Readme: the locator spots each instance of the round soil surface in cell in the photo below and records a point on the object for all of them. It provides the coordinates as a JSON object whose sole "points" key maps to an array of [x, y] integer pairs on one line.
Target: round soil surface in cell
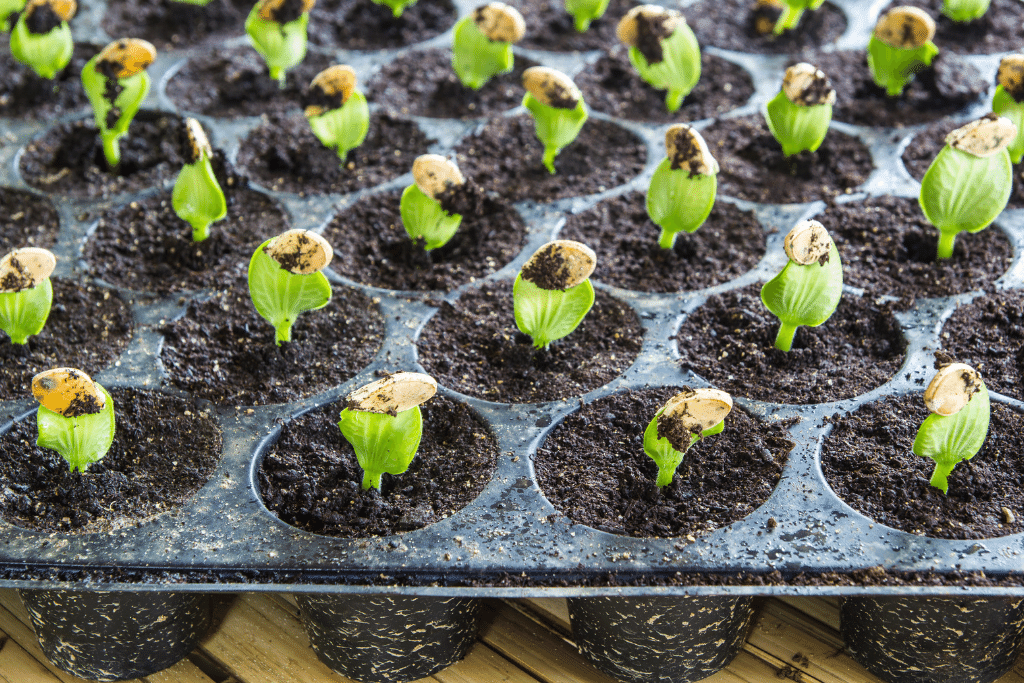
{"points": [[731, 24], [988, 334], [28, 220], [550, 27], [998, 30], [926, 145], [424, 84], [284, 155], [506, 158], [869, 462], [730, 342], [164, 450], [223, 351], [365, 25], [372, 247], [170, 24], [311, 479], [889, 248], [25, 94], [611, 85], [730, 243], [474, 346], [88, 328], [594, 470], [949, 85], [144, 246], [236, 82], [68, 159], [753, 166]]}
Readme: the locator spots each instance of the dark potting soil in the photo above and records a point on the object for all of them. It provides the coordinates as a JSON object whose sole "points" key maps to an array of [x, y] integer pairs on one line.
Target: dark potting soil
{"points": [[424, 84], [869, 462], [310, 478], [594, 470], [730, 342], [236, 82], [474, 346], [68, 159], [998, 30], [172, 24], [550, 27], [612, 85], [223, 351], [88, 328], [28, 220], [729, 24], [753, 166], [372, 247], [988, 334], [284, 155], [363, 25], [730, 243], [164, 450], [505, 158], [889, 248], [25, 94]]}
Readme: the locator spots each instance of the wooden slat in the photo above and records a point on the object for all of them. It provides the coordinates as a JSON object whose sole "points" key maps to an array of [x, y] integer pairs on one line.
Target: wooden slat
{"points": [[18, 666], [483, 665], [823, 610]]}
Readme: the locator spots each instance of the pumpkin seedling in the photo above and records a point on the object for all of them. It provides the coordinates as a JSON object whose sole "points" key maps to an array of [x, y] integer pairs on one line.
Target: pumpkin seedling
{"points": [[336, 110], [808, 289], [116, 82], [585, 11], [382, 421], [956, 429], [482, 43], [683, 188], [552, 293], [970, 181], [25, 292], [1008, 101], [278, 32], [557, 107], [397, 6], [75, 416], [663, 50], [965, 10], [197, 197], [41, 37], [900, 46], [285, 279], [792, 11], [798, 116], [684, 420], [426, 204]]}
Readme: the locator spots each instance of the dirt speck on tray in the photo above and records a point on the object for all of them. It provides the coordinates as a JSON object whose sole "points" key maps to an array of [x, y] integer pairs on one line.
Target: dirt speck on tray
{"points": [[729, 24], [550, 27], [998, 30], [310, 477], [366, 25], [594, 470], [172, 24], [28, 220], [26, 94], [988, 334], [164, 450]]}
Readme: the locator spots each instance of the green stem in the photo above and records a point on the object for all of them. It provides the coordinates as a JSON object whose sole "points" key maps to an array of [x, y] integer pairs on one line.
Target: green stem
{"points": [[283, 331], [667, 240], [784, 339], [788, 20], [371, 480], [674, 99], [946, 240], [111, 150], [549, 158], [939, 475], [279, 75], [665, 475], [200, 232], [582, 24]]}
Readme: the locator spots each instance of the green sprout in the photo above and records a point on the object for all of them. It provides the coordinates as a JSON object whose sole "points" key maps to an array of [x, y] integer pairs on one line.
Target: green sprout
{"points": [[965, 10], [900, 46], [75, 416], [427, 205], [285, 279], [663, 50], [116, 82], [688, 417], [956, 429], [397, 6], [278, 32], [482, 43], [970, 181], [25, 292], [792, 11], [337, 111], [552, 294], [683, 187], [808, 289], [382, 421], [585, 11], [199, 3], [557, 107], [799, 115], [8, 8], [1008, 100], [197, 198], [41, 38]]}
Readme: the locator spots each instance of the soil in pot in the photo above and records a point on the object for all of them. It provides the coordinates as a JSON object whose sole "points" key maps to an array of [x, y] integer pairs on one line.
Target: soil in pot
{"points": [[223, 351], [372, 247], [170, 24], [998, 30], [25, 94], [550, 27], [365, 25], [504, 157], [474, 346], [28, 220], [730, 243], [730, 342], [730, 24]]}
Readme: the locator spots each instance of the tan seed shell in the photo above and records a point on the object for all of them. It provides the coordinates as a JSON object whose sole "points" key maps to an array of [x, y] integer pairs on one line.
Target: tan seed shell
{"points": [[691, 411], [905, 27], [551, 87], [808, 242], [198, 143], [268, 8], [337, 82], [434, 174], [985, 137], [688, 150], [500, 22], [1011, 75], [68, 392], [64, 9], [25, 268], [393, 394], [807, 85], [628, 29], [765, 14], [130, 55], [300, 251], [952, 388], [561, 264]]}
